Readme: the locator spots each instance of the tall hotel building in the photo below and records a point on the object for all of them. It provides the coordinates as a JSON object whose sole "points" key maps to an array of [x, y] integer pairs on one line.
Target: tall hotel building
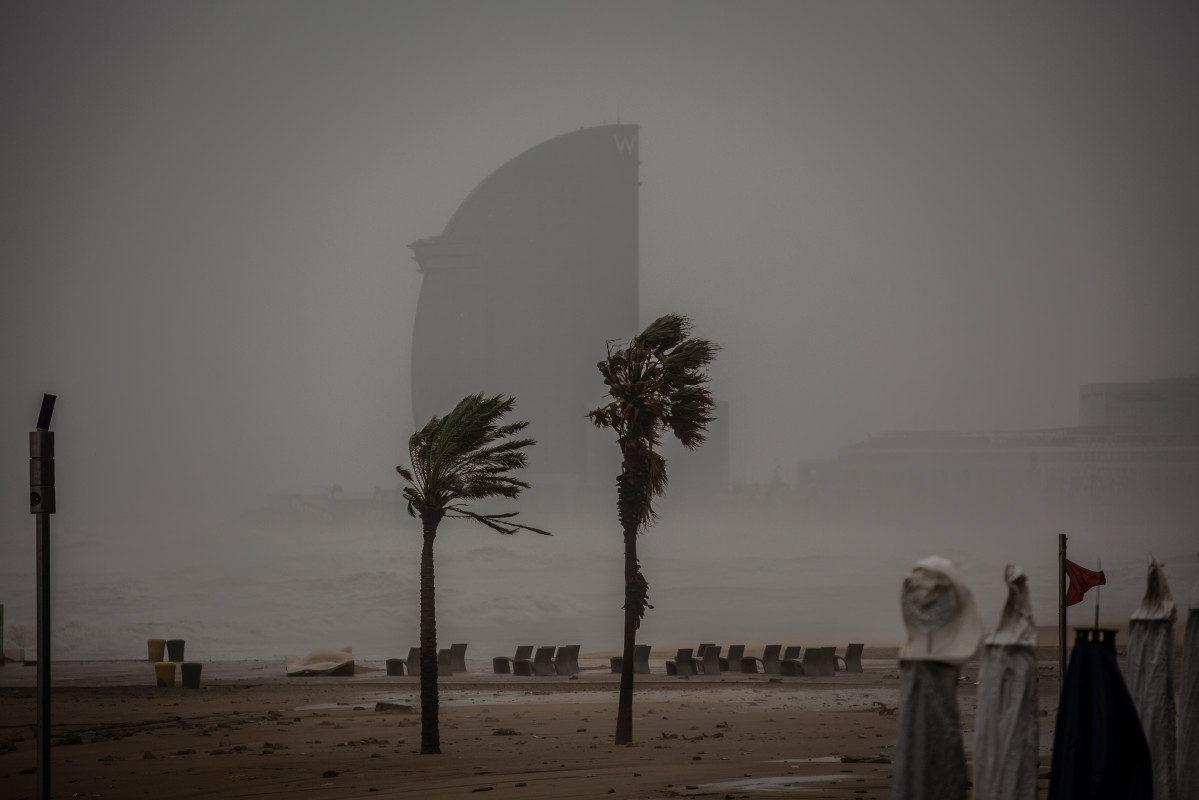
{"points": [[533, 273]]}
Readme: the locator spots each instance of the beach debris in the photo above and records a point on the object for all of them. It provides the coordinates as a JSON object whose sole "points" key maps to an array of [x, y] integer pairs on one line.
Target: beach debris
{"points": [[322, 662], [402, 708], [330, 773], [504, 732]]}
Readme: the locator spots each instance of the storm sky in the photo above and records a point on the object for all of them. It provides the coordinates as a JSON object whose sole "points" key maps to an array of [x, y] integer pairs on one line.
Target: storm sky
{"points": [[891, 216]]}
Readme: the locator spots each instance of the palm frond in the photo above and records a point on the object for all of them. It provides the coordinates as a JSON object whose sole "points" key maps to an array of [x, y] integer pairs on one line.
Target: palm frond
{"points": [[497, 522], [467, 455], [657, 382]]}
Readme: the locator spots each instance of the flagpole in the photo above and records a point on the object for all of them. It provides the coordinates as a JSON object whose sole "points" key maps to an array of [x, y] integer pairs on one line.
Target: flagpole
{"points": [[1061, 606]]}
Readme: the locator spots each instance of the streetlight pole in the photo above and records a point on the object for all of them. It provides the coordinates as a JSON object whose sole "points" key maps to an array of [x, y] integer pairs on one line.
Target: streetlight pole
{"points": [[41, 505]]}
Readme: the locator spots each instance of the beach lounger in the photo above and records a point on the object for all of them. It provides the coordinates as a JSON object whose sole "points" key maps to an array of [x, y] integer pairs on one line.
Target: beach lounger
{"points": [[640, 661], [790, 664], [818, 661], [458, 657], [682, 664], [543, 661], [736, 651], [852, 661], [566, 662], [444, 667], [769, 660], [541, 664], [413, 661], [502, 665], [710, 660]]}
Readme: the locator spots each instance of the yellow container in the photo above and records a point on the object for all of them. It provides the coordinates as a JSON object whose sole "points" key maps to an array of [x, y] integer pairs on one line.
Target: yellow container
{"points": [[157, 648], [164, 673]]}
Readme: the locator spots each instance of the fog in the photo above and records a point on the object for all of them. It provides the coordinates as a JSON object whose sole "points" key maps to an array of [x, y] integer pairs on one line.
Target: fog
{"points": [[926, 217]]}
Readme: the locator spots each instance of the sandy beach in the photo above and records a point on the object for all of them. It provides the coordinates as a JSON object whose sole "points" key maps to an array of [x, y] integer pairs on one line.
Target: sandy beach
{"points": [[250, 731]]}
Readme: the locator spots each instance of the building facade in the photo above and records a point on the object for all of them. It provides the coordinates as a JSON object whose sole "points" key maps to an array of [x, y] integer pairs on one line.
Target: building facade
{"points": [[534, 272], [1167, 405], [1134, 457]]}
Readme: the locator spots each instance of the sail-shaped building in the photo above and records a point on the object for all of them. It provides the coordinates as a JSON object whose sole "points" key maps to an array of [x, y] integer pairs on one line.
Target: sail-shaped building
{"points": [[533, 273]]}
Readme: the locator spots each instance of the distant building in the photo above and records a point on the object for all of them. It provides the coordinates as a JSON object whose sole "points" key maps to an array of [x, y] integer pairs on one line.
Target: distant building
{"points": [[533, 273], [1168, 405], [1136, 455]]}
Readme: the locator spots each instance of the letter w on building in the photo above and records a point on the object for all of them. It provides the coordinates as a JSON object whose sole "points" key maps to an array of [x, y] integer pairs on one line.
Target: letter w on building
{"points": [[625, 144]]}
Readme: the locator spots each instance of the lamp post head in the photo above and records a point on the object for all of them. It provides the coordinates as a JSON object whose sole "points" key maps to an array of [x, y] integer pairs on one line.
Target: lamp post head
{"points": [[43, 417]]}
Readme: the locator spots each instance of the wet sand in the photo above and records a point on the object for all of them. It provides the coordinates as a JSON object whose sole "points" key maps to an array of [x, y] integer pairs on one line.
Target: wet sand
{"points": [[250, 731]]}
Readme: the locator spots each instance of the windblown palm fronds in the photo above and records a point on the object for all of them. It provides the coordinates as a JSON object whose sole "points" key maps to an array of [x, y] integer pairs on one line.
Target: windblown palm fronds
{"points": [[657, 383], [467, 455]]}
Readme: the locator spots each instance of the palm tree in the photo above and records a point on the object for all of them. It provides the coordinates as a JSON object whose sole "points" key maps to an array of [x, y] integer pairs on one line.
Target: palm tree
{"points": [[465, 455], [657, 383]]}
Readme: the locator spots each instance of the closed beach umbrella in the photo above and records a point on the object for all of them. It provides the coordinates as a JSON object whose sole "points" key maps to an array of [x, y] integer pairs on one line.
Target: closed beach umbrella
{"points": [[1099, 750], [1005, 739], [943, 633], [1188, 727], [1151, 678]]}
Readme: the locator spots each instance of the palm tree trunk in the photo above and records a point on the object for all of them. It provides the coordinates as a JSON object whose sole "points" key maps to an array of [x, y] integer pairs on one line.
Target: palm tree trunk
{"points": [[624, 702], [632, 493], [430, 735]]}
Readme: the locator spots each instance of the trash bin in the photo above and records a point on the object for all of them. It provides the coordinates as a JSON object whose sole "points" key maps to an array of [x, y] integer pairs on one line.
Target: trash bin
{"points": [[164, 673], [157, 648], [395, 666], [175, 650], [190, 671]]}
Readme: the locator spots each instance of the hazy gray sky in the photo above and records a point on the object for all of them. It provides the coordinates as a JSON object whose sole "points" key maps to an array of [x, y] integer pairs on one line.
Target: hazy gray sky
{"points": [[891, 216]]}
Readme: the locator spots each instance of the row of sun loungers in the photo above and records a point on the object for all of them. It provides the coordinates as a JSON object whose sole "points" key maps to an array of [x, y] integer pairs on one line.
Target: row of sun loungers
{"points": [[705, 660], [548, 660], [449, 661]]}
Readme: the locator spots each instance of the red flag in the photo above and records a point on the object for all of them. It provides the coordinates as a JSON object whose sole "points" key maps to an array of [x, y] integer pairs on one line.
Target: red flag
{"points": [[1081, 579]]}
